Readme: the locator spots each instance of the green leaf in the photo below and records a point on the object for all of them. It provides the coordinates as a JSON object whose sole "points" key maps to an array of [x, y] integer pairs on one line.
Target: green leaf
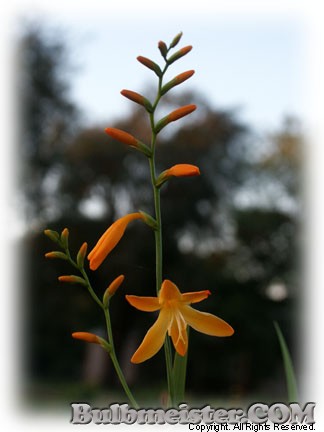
{"points": [[179, 375], [288, 365]]}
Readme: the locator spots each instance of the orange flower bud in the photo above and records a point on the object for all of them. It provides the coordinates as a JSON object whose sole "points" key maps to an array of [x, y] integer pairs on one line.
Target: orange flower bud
{"points": [[113, 287], [122, 136], [150, 64], [87, 337], [137, 98], [174, 115], [183, 51], [180, 170], [72, 279], [81, 254], [56, 254], [92, 338], [183, 170], [110, 239], [177, 80], [128, 139]]}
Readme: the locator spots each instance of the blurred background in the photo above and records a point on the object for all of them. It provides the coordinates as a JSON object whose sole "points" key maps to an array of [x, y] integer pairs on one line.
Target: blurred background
{"points": [[235, 230]]}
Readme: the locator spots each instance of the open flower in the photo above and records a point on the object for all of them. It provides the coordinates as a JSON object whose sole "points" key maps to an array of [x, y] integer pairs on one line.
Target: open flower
{"points": [[175, 314], [110, 239]]}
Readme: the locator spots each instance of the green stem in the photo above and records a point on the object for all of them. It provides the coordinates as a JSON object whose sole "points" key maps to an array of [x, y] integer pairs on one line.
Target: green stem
{"points": [[111, 352], [115, 361], [158, 238]]}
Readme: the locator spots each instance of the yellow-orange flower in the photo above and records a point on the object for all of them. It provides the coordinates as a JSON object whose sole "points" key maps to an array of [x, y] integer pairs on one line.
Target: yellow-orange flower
{"points": [[175, 314], [110, 239]]}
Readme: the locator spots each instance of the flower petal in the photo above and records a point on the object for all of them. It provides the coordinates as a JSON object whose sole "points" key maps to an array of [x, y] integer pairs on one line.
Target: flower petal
{"points": [[178, 333], [169, 291], [205, 322], [146, 304], [109, 239], [153, 339], [195, 297]]}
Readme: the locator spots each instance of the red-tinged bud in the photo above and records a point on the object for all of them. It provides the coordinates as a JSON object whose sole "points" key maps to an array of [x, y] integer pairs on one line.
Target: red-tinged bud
{"points": [[81, 254], [163, 48], [72, 279], [182, 52], [180, 170], [176, 40], [137, 98], [150, 64], [174, 115], [177, 80], [122, 136], [53, 235], [128, 139], [87, 337], [92, 338], [56, 254], [113, 287]]}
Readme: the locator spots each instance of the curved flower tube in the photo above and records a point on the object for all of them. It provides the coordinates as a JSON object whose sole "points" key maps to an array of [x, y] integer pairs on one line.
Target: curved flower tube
{"points": [[179, 170], [110, 239], [175, 314]]}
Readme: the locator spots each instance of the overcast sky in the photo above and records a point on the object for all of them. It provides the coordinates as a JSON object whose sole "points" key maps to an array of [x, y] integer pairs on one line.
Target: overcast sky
{"points": [[252, 61]]}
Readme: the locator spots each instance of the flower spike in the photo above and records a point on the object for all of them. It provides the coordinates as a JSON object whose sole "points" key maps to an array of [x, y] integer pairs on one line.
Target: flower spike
{"points": [[174, 316], [110, 239]]}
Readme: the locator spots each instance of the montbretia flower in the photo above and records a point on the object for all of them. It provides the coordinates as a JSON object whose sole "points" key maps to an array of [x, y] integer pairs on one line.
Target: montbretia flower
{"points": [[179, 170], [175, 314], [110, 239]]}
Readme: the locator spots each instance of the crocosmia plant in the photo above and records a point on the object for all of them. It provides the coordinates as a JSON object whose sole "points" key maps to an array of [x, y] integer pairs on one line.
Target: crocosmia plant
{"points": [[174, 309]]}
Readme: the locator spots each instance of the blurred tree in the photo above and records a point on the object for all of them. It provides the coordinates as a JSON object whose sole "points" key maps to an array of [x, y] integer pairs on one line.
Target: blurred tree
{"points": [[48, 117]]}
